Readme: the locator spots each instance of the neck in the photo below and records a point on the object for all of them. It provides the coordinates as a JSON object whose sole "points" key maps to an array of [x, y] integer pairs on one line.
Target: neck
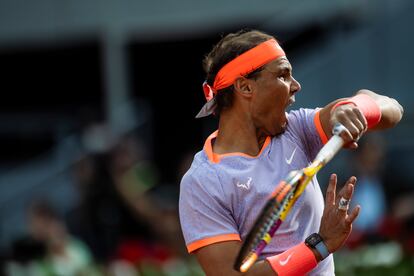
{"points": [[237, 133]]}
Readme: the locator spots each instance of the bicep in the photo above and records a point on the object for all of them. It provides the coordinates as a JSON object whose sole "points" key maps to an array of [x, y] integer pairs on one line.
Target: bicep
{"points": [[218, 259]]}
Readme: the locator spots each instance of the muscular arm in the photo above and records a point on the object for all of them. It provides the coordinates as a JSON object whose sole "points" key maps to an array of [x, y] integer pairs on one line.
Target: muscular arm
{"points": [[391, 113], [218, 259], [391, 110]]}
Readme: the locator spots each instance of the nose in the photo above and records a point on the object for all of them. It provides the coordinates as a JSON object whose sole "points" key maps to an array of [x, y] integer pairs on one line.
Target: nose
{"points": [[295, 86]]}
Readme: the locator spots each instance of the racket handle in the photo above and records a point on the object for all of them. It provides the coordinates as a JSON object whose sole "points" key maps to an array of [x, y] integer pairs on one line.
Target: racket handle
{"points": [[334, 144]]}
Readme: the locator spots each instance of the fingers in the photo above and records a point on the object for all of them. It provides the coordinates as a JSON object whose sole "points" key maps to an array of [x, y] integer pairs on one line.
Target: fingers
{"points": [[331, 191], [353, 215], [354, 129], [346, 134], [352, 145], [358, 121], [362, 120], [353, 120], [348, 189], [345, 195]]}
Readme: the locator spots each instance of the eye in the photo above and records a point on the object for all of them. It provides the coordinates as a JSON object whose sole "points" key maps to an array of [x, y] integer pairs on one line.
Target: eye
{"points": [[284, 76]]}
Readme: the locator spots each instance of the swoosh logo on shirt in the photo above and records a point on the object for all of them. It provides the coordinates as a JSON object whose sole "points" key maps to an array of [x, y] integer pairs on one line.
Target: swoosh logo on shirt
{"points": [[288, 161], [284, 262]]}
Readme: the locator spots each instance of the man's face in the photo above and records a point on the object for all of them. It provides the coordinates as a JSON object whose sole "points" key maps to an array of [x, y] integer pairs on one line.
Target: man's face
{"points": [[274, 92]]}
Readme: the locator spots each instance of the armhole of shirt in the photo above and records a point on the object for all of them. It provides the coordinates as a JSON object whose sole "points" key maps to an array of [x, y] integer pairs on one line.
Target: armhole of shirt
{"points": [[319, 128], [211, 240]]}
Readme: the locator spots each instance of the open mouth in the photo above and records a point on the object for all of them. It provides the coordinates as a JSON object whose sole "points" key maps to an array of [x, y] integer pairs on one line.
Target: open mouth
{"points": [[289, 103], [291, 100]]}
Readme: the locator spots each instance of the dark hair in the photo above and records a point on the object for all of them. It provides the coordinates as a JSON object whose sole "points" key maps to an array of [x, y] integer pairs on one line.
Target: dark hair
{"points": [[227, 49]]}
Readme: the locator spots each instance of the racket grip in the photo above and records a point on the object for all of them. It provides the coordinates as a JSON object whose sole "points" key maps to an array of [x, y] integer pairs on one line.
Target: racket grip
{"points": [[334, 144]]}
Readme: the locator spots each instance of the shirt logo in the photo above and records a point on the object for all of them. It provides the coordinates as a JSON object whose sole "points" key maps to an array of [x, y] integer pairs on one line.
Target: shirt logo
{"points": [[284, 262], [245, 186], [288, 161]]}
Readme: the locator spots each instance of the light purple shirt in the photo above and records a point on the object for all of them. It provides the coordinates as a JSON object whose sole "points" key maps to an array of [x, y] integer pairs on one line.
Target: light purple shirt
{"points": [[222, 195]]}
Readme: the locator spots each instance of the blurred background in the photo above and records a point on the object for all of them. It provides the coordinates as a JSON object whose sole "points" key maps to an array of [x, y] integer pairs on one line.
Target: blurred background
{"points": [[97, 125]]}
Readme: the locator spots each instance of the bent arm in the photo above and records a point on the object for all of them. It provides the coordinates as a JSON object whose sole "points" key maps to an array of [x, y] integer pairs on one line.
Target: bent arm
{"points": [[391, 112], [218, 259]]}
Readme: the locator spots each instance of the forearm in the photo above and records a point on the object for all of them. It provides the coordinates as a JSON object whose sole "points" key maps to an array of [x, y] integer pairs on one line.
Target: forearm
{"points": [[291, 268], [218, 259], [259, 268], [213, 268], [391, 110]]}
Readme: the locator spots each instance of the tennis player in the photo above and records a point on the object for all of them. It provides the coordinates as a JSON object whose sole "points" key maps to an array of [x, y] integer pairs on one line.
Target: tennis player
{"points": [[249, 85]]}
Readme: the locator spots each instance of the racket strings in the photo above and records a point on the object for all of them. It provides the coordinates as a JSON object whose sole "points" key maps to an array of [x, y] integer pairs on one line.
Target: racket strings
{"points": [[265, 233], [270, 221], [280, 202]]}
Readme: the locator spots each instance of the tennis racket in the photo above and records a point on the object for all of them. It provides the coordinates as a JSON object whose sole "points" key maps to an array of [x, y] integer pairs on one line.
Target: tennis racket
{"points": [[280, 202]]}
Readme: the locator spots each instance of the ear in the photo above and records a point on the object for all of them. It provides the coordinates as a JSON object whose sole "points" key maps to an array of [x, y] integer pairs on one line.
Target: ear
{"points": [[243, 86]]}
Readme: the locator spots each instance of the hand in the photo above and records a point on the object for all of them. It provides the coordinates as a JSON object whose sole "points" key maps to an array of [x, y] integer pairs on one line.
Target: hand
{"points": [[353, 120], [336, 224]]}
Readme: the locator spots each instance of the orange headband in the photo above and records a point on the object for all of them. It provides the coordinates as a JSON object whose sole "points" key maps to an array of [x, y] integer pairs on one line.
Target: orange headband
{"points": [[243, 65]]}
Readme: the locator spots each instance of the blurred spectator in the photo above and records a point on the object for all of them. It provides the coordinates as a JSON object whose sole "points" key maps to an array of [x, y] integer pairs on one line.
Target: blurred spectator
{"points": [[370, 193], [26, 257], [65, 254], [102, 218], [382, 241], [126, 216], [136, 180], [50, 249], [400, 225], [133, 176]]}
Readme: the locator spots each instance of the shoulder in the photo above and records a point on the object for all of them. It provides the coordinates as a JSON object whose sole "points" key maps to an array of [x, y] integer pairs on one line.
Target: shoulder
{"points": [[304, 128], [302, 121], [202, 175], [302, 114], [200, 168]]}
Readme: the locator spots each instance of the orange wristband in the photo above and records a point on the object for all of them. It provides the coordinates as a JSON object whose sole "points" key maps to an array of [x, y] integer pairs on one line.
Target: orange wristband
{"points": [[368, 107], [295, 261]]}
